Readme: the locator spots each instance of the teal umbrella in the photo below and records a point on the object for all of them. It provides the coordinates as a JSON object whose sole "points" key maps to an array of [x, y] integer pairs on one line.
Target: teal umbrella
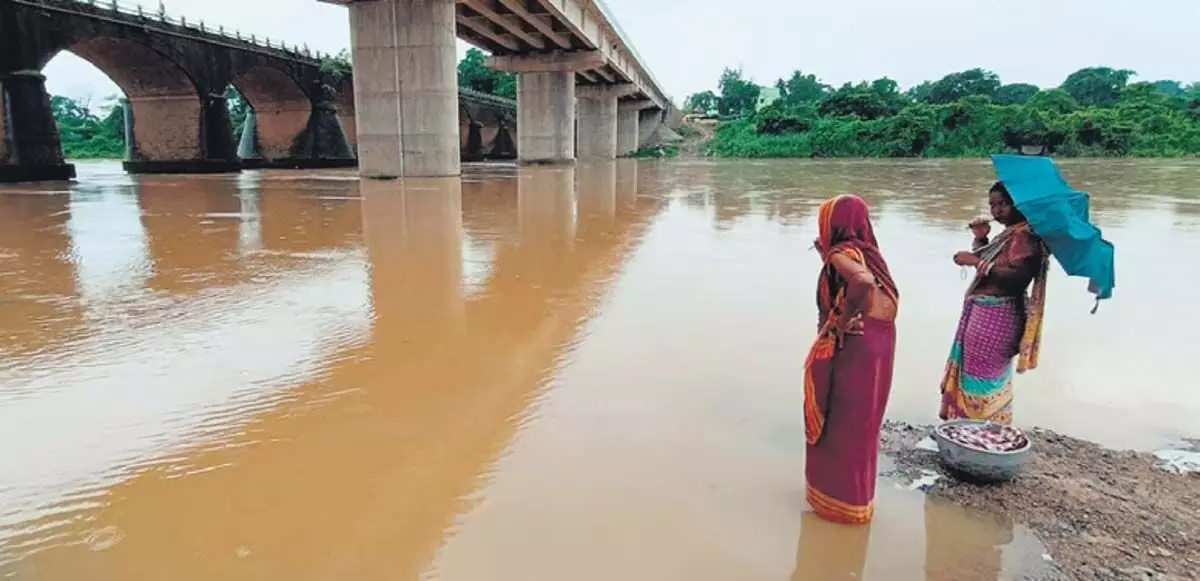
{"points": [[1059, 215]]}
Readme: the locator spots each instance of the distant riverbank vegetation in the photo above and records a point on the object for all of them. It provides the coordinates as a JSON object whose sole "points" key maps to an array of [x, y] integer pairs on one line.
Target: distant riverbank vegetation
{"points": [[99, 132], [86, 134], [1097, 111]]}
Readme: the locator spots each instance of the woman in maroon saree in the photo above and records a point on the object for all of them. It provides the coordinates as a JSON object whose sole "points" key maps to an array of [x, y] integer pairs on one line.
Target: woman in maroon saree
{"points": [[848, 373]]}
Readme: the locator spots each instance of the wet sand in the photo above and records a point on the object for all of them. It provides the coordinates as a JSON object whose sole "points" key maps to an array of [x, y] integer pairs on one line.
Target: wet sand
{"points": [[1102, 514]]}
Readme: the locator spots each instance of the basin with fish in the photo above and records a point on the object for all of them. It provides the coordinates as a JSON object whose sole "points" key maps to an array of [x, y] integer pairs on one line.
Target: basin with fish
{"points": [[963, 445]]}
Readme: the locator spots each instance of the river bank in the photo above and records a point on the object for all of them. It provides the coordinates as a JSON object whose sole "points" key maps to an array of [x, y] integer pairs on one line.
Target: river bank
{"points": [[1102, 514]]}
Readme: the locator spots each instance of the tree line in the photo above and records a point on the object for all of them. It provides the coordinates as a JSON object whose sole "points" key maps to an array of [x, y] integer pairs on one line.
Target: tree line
{"points": [[99, 133], [1096, 111]]}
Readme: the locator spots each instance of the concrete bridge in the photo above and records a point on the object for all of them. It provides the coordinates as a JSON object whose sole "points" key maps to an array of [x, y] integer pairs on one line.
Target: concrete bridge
{"points": [[174, 73], [574, 68]]}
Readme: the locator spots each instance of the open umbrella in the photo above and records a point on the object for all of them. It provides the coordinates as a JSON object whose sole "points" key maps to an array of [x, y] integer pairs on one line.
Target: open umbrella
{"points": [[1059, 214]]}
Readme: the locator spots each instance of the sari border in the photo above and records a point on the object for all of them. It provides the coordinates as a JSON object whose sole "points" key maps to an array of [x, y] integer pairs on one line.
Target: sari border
{"points": [[814, 416], [838, 511]]}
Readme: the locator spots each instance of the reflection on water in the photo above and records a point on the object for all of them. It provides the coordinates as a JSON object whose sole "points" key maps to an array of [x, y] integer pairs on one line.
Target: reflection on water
{"points": [[829, 551], [572, 373]]}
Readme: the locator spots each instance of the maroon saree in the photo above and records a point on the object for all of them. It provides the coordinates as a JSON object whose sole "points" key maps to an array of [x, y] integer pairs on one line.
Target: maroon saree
{"points": [[847, 377]]}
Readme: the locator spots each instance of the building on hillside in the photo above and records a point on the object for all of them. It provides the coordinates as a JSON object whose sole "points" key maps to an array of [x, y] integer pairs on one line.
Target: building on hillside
{"points": [[766, 96]]}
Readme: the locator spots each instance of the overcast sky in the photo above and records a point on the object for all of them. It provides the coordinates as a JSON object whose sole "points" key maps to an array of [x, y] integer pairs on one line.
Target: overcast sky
{"points": [[686, 43]]}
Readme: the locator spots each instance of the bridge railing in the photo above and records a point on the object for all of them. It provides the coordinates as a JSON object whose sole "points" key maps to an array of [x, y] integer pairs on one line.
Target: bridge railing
{"points": [[159, 14], [487, 97], [616, 24]]}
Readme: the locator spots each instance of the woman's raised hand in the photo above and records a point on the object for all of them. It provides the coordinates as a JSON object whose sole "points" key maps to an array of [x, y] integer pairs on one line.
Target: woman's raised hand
{"points": [[981, 227]]}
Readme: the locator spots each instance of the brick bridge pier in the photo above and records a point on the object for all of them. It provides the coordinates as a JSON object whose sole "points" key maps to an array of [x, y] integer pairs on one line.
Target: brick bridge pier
{"points": [[174, 74]]}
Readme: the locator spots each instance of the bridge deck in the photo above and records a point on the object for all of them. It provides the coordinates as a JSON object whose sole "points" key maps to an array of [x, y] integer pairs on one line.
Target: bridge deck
{"points": [[513, 27]]}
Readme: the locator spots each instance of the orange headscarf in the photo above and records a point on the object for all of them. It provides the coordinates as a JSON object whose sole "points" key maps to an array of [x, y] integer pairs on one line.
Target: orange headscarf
{"points": [[844, 226]]}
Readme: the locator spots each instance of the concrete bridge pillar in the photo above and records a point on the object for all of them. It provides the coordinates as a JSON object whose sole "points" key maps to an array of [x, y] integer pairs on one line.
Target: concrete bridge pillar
{"points": [[30, 148], [597, 108], [649, 120], [546, 117], [405, 87], [628, 117], [546, 102]]}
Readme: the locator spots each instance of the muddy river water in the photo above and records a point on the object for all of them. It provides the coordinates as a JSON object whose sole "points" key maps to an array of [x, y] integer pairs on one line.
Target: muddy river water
{"points": [[536, 374]]}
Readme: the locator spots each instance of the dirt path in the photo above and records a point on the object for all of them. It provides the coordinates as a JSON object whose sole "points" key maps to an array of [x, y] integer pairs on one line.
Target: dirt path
{"points": [[695, 138], [1103, 514]]}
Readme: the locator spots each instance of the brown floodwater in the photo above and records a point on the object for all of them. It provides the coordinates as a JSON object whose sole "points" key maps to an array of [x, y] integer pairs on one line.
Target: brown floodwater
{"points": [[534, 374]]}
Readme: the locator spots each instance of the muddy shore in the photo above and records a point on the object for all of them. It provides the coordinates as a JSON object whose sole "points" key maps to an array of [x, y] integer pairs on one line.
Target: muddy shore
{"points": [[1102, 514]]}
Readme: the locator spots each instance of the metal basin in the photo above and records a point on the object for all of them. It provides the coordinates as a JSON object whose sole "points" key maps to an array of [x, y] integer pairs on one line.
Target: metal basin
{"points": [[982, 465]]}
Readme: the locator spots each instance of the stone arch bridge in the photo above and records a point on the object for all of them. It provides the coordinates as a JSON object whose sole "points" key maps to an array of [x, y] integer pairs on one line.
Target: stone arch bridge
{"points": [[174, 74]]}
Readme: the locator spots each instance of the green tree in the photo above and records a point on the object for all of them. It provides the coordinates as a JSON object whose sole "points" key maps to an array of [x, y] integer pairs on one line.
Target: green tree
{"points": [[1015, 94], [908, 133], [702, 102], [85, 135], [474, 74], [1100, 86], [112, 119], [920, 93], [1054, 100], [337, 65], [1172, 88], [802, 88], [238, 109], [872, 119], [878, 99], [1150, 95], [739, 96], [1033, 127], [889, 92], [778, 118], [955, 86]]}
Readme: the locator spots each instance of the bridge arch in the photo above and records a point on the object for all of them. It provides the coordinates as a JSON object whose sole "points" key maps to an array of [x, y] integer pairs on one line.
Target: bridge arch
{"points": [[281, 107], [164, 98]]}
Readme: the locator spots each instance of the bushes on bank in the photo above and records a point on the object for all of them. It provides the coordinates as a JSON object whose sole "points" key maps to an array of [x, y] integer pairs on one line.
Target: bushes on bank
{"points": [[1096, 113]]}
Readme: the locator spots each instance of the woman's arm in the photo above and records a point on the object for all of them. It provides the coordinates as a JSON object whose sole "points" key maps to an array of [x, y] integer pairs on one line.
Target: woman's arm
{"points": [[860, 284], [967, 258], [980, 227]]}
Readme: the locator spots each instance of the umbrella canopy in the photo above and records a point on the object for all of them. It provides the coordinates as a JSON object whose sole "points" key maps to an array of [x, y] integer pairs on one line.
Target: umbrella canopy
{"points": [[1059, 215]]}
